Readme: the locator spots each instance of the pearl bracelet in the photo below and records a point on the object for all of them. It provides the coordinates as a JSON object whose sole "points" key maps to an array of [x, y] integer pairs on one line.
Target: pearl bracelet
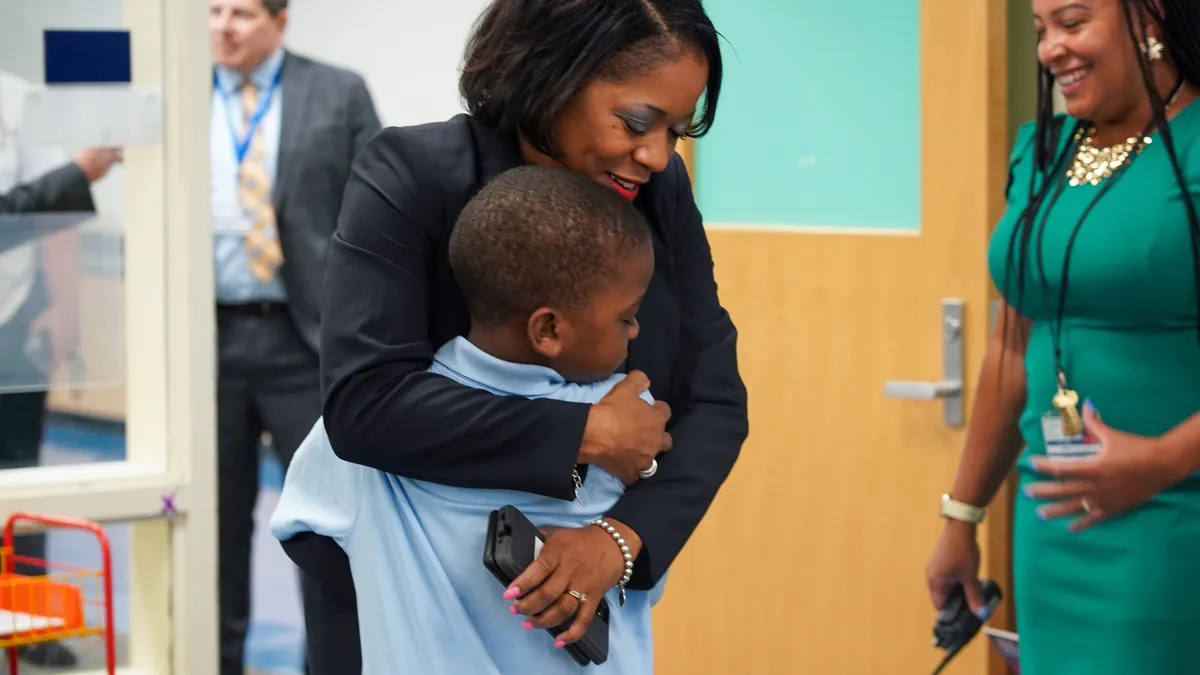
{"points": [[612, 532]]}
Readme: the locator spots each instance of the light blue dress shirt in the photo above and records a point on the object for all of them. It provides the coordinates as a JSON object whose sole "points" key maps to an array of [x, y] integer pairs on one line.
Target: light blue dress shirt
{"points": [[235, 282], [426, 603]]}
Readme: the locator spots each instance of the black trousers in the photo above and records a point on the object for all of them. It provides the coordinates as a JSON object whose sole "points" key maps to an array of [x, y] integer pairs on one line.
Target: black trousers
{"points": [[22, 422], [330, 605], [268, 381]]}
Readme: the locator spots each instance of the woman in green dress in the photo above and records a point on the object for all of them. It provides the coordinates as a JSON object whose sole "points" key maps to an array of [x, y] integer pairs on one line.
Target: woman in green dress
{"points": [[1098, 260]]}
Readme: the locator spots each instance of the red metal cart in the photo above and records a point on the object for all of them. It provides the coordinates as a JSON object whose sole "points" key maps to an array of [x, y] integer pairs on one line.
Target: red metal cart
{"points": [[54, 602]]}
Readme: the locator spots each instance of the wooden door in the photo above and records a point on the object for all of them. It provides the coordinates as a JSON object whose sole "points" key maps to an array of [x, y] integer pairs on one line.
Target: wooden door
{"points": [[812, 558]]}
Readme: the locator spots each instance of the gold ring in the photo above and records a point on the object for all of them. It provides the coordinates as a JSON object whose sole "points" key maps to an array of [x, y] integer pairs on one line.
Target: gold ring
{"points": [[1087, 507], [581, 597]]}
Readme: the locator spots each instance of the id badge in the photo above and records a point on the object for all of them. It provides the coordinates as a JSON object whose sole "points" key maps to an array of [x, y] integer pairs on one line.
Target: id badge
{"points": [[1059, 444], [230, 218]]}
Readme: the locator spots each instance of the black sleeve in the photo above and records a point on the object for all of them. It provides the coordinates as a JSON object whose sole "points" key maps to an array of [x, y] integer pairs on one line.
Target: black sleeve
{"points": [[382, 409], [64, 189], [709, 422]]}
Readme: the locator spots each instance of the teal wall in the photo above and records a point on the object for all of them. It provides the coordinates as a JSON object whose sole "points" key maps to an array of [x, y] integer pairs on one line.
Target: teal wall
{"points": [[819, 117]]}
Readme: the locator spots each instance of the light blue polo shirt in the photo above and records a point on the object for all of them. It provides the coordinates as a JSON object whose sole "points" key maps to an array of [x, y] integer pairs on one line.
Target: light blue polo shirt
{"points": [[426, 603]]}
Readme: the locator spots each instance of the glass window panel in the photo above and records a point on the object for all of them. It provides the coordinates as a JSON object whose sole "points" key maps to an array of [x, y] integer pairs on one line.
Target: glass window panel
{"points": [[63, 336]]}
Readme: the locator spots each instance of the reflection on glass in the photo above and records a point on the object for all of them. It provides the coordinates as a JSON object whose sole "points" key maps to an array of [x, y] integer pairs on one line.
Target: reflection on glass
{"points": [[62, 205], [61, 302]]}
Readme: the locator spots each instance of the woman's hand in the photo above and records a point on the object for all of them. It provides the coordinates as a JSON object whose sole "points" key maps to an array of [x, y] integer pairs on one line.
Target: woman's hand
{"points": [[1127, 471], [586, 560], [955, 562], [623, 434]]}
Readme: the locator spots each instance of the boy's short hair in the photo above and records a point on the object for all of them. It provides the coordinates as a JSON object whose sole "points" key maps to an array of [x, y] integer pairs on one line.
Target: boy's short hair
{"points": [[540, 236]]}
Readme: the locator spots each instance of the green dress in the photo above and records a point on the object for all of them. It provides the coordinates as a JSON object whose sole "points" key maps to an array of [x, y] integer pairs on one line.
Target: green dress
{"points": [[1123, 597]]}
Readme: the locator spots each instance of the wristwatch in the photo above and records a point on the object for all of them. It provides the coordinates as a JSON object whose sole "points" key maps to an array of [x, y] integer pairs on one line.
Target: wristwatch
{"points": [[956, 510]]}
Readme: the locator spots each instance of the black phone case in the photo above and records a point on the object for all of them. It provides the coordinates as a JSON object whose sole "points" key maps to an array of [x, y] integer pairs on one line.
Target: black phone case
{"points": [[508, 550]]}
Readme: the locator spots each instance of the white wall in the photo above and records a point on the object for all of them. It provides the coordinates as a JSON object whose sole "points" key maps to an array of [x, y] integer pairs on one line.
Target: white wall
{"points": [[409, 51], [22, 23]]}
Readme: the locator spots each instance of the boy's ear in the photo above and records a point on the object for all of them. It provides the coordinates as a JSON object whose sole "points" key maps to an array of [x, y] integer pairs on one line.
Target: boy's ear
{"points": [[545, 332]]}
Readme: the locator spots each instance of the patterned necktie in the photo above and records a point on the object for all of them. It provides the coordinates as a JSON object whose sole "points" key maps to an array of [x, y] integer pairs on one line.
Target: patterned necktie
{"points": [[254, 192]]}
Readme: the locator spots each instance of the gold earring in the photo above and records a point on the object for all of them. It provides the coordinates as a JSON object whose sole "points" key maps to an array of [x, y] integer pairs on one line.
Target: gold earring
{"points": [[1152, 48]]}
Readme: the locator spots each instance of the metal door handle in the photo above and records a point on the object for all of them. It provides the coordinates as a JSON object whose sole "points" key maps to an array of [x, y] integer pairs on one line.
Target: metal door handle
{"points": [[950, 388], [922, 391]]}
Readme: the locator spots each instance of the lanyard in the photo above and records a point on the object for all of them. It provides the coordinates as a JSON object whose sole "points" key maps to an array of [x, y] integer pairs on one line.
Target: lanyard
{"points": [[242, 145], [1060, 310]]}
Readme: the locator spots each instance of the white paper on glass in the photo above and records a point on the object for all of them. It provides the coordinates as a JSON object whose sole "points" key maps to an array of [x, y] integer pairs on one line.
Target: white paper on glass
{"points": [[92, 116]]}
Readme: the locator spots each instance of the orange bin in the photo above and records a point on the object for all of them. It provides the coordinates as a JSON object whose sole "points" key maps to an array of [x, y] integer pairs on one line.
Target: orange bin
{"points": [[49, 601], [60, 602]]}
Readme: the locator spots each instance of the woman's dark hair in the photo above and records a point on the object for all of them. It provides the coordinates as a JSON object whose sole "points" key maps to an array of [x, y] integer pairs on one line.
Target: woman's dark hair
{"points": [[526, 59], [1179, 21]]}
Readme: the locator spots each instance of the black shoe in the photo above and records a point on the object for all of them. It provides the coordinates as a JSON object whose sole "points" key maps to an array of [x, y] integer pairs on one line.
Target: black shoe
{"points": [[48, 655]]}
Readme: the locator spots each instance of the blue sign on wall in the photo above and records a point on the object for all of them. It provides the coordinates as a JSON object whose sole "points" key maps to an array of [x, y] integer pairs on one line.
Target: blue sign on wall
{"points": [[87, 57], [819, 117]]}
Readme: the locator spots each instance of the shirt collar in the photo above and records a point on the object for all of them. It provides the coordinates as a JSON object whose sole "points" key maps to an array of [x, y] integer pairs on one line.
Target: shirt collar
{"points": [[263, 76], [490, 373]]}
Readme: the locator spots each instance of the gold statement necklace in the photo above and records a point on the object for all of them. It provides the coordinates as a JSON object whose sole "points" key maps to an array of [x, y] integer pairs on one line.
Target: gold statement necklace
{"points": [[1093, 164]]}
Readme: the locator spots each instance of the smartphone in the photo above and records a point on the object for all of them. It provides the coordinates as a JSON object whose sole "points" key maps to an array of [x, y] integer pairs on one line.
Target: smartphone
{"points": [[512, 544]]}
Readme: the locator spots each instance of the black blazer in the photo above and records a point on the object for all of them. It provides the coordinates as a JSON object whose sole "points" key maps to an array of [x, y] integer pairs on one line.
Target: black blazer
{"points": [[390, 301]]}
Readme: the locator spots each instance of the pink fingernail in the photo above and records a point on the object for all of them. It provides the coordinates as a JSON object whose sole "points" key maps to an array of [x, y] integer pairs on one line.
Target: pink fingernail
{"points": [[511, 593], [560, 644], [512, 609], [528, 625]]}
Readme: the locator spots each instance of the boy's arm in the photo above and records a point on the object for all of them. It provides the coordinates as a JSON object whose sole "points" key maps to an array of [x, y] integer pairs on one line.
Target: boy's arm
{"points": [[321, 493]]}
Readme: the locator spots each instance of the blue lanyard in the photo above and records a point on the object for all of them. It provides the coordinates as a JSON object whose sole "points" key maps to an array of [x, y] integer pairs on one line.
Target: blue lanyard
{"points": [[242, 145]]}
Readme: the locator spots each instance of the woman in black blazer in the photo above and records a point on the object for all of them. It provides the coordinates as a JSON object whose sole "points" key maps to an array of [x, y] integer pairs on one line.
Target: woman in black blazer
{"points": [[604, 88]]}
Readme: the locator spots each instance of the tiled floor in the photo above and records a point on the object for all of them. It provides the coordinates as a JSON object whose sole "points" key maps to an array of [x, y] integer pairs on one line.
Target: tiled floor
{"points": [[276, 632]]}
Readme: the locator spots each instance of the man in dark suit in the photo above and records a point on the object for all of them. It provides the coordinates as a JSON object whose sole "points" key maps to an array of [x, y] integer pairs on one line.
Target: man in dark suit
{"points": [[284, 132]]}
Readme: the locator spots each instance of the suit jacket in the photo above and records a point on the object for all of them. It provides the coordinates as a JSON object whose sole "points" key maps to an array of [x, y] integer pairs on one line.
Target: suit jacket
{"points": [[327, 117], [63, 189], [391, 300]]}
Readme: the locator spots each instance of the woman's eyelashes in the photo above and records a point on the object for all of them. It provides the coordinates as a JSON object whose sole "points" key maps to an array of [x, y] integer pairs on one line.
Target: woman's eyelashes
{"points": [[640, 128], [636, 125]]}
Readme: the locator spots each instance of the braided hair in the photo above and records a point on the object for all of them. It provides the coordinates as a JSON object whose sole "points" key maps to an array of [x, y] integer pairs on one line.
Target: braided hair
{"points": [[1179, 21]]}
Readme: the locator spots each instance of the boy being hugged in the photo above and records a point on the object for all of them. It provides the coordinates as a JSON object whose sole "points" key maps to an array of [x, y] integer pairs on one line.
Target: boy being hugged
{"points": [[553, 268]]}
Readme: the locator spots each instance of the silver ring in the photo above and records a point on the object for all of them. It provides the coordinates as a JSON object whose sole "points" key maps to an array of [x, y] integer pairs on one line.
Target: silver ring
{"points": [[581, 597], [1087, 506], [648, 473]]}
